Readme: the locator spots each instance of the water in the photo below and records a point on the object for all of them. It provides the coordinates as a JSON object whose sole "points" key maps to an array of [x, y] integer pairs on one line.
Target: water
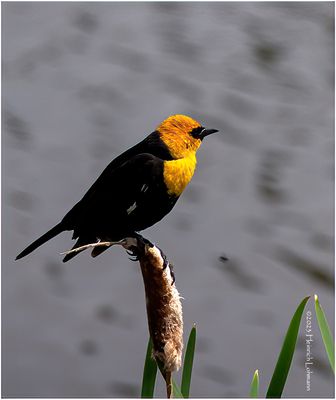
{"points": [[83, 82]]}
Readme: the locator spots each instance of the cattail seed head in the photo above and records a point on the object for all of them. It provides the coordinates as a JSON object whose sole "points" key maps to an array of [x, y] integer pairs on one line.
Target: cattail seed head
{"points": [[164, 309]]}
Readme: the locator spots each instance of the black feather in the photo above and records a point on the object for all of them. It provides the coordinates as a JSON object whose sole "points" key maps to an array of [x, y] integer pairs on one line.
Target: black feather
{"points": [[41, 240]]}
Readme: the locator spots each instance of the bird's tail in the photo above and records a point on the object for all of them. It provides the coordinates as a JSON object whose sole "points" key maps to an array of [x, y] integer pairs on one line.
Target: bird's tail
{"points": [[44, 238]]}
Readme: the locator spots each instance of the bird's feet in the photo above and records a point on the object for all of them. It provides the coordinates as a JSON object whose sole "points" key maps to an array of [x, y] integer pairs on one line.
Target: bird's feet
{"points": [[166, 264], [133, 254], [142, 241], [135, 251]]}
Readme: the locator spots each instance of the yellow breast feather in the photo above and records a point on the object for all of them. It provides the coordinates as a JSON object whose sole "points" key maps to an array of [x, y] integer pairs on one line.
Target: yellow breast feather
{"points": [[178, 173]]}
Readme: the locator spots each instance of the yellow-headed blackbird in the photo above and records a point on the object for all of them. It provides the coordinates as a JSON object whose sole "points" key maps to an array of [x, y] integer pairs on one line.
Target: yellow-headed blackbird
{"points": [[137, 189]]}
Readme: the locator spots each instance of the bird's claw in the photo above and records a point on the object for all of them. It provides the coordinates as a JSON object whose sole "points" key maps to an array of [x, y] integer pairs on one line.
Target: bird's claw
{"points": [[133, 254], [143, 241], [172, 273], [165, 261], [165, 264]]}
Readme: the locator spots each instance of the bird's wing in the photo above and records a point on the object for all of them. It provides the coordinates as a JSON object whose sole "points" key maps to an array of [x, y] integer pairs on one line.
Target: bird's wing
{"points": [[127, 182], [150, 145], [117, 191]]}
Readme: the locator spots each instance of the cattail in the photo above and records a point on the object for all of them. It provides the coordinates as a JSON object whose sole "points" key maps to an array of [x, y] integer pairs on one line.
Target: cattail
{"points": [[164, 312], [164, 309], [163, 303]]}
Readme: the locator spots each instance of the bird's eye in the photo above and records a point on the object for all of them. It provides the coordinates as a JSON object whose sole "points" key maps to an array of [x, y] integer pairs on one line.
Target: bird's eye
{"points": [[197, 132]]}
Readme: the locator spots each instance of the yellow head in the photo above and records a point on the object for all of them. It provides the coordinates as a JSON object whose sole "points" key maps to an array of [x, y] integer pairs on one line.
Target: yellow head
{"points": [[182, 135]]}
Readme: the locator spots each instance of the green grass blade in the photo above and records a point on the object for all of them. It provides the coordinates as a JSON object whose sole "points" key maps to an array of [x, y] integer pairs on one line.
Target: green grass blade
{"points": [[149, 374], [177, 394], [254, 389], [188, 363], [286, 354], [325, 332]]}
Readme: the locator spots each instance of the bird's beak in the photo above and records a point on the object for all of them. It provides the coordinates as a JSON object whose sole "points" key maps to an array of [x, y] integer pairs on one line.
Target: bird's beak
{"points": [[207, 132]]}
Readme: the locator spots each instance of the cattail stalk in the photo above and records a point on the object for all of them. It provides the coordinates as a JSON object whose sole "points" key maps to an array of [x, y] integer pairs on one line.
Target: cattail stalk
{"points": [[163, 304]]}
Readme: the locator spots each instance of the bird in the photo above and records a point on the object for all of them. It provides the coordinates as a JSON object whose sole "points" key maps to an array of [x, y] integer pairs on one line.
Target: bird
{"points": [[136, 190]]}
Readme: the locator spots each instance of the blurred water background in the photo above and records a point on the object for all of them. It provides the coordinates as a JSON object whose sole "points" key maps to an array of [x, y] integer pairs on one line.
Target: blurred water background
{"points": [[83, 82]]}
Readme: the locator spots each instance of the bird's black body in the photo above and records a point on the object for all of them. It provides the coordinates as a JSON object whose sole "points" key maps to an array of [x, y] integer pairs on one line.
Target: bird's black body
{"points": [[129, 196]]}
